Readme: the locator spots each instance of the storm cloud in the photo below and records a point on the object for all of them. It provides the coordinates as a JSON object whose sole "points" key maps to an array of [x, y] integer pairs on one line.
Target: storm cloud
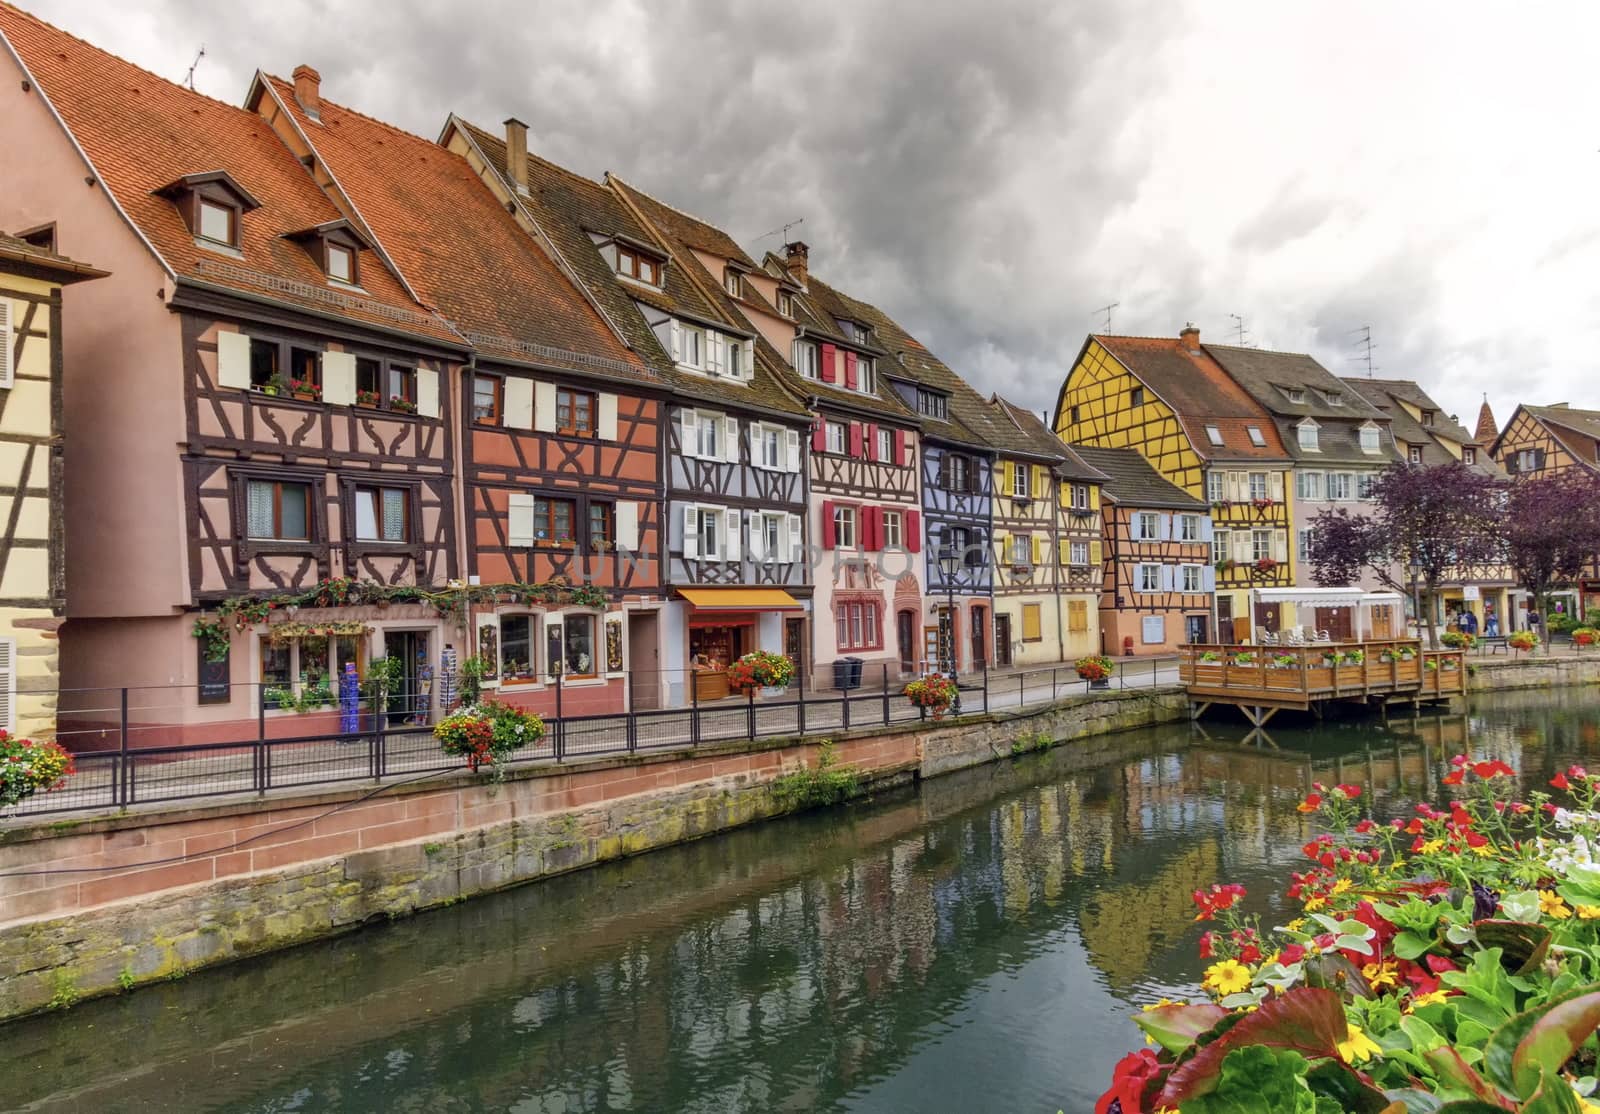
{"points": [[991, 173]]}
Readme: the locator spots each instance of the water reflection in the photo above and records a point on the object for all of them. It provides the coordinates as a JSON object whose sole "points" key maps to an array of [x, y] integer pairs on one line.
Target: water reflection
{"points": [[974, 945]]}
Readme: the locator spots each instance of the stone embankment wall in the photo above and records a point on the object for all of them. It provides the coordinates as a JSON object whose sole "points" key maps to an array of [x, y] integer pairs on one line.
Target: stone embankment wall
{"points": [[89, 907], [1496, 673]]}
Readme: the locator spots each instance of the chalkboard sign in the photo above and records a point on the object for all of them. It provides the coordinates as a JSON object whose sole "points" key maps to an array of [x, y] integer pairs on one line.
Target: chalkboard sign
{"points": [[214, 686]]}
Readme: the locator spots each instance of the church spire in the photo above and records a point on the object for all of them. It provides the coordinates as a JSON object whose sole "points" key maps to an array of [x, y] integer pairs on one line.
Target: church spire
{"points": [[1487, 430]]}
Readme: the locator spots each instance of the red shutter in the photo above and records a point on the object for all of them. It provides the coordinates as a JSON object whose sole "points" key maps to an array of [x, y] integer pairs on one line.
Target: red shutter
{"points": [[819, 437], [914, 531], [872, 441], [855, 439], [850, 370], [875, 535], [900, 456], [827, 524], [829, 375]]}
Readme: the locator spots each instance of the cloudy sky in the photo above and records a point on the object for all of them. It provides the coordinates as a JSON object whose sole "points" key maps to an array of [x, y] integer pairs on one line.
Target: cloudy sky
{"points": [[990, 173]]}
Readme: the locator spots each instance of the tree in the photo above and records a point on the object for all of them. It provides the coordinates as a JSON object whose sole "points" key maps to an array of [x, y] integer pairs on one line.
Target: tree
{"points": [[1427, 522], [1552, 530]]}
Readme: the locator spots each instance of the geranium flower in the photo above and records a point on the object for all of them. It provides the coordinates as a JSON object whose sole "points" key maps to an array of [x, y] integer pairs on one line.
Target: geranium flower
{"points": [[1227, 977], [1310, 804], [1494, 768], [1350, 791], [1129, 1080], [1455, 777]]}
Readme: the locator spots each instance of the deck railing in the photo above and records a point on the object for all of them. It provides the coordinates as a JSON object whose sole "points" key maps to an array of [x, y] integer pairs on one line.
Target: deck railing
{"points": [[1335, 670]]}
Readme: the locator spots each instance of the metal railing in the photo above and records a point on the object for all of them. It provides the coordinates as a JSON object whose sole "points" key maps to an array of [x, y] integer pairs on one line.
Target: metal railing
{"points": [[401, 744]]}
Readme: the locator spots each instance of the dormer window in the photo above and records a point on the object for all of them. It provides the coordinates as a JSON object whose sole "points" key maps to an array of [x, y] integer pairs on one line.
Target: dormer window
{"points": [[1469, 455], [1369, 438], [211, 204], [636, 265], [1308, 437], [1214, 435], [342, 263], [933, 404], [1427, 417], [1257, 438], [1294, 394], [336, 248], [1334, 398], [785, 303], [730, 282]]}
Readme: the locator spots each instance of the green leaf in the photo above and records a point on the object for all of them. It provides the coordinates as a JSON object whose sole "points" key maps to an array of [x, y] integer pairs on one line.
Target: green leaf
{"points": [[1522, 945], [1336, 1080], [1552, 1095], [1500, 1054], [1413, 1101], [1485, 981], [1308, 1020], [1457, 1074], [1423, 1037], [1257, 1080], [1554, 1036], [1175, 1027], [1409, 945], [1354, 943], [1469, 1106], [1521, 906], [1414, 916]]}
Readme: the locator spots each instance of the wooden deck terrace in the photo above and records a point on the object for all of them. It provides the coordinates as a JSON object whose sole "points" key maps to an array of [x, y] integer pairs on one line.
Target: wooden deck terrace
{"points": [[1262, 680]]}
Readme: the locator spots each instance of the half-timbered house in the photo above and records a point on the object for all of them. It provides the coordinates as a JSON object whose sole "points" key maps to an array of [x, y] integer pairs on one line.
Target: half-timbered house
{"points": [[1171, 401], [731, 449], [1047, 589], [558, 422], [32, 461], [262, 404], [1157, 572]]}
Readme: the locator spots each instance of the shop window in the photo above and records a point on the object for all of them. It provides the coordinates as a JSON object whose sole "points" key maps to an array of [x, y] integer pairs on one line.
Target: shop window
{"points": [[517, 645], [580, 648], [308, 669]]}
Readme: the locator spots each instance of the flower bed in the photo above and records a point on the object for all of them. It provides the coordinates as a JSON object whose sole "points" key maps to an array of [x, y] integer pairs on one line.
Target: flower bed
{"points": [[1524, 640], [1446, 961], [27, 767]]}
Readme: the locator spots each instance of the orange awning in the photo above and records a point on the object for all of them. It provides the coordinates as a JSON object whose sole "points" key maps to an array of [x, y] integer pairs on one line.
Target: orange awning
{"points": [[740, 599]]}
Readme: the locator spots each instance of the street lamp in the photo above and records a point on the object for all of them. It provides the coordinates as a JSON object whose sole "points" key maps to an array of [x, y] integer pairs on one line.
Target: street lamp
{"points": [[949, 565], [1416, 593]]}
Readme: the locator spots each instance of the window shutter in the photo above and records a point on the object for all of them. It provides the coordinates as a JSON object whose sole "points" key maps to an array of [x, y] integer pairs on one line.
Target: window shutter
{"points": [[519, 521], [1280, 546], [518, 396], [233, 355], [627, 526], [796, 541], [758, 539], [791, 439], [850, 379], [1164, 531], [1002, 547], [544, 407], [913, 531], [1094, 497], [1041, 482], [675, 339], [730, 440], [1275, 485], [872, 441], [688, 432], [691, 531], [1238, 487], [427, 392], [339, 378], [8, 677], [819, 437], [901, 457], [829, 375], [827, 525], [1005, 479], [855, 439], [730, 548], [1168, 577], [1207, 531], [1242, 546], [1208, 578], [1096, 554], [607, 425], [1038, 549]]}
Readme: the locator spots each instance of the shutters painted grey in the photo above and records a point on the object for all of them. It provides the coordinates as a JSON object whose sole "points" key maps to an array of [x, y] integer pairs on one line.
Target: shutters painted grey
{"points": [[730, 440], [691, 531]]}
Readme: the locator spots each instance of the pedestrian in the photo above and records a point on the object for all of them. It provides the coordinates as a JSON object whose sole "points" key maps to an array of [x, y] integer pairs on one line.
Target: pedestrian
{"points": [[1491, 622], [1533, 620], [1469, 623]]}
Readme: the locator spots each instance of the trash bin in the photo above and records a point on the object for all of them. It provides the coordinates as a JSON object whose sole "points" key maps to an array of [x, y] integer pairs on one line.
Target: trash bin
{"points": [[847, 673]]}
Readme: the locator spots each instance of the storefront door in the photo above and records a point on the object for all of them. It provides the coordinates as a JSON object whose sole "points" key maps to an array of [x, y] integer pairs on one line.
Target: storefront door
{"points": [[414, 700], [905, 623], [794, 642], [1002, 640], [1267, 618], [1382, 620], [979, 623], [1336, 621]]}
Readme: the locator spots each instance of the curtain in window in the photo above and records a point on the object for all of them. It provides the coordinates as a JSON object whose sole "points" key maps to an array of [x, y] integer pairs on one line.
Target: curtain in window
{"points": [[394, 514], [259, 512], [366, 515]]}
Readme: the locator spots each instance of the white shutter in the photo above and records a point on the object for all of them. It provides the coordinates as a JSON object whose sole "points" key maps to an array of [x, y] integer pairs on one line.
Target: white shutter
{"points": [[608, 417], [689, 432], [748, 364], [1280, 546], [339, 378], [519, 402], [1242, 546], [730, 543], [675, 336], [544, 407], [1208, 578], [730, 440], [233, 355], [691, 531], [796, 541], [427, 392], [758, 536], [628, 526], [1275, 486], [792, 436], [8, 684], [519, 515]]}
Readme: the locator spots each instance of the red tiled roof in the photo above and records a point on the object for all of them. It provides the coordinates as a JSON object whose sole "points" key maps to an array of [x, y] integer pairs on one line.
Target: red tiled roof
{"points": [[459, 249], [141, 132], [1201, 393]]}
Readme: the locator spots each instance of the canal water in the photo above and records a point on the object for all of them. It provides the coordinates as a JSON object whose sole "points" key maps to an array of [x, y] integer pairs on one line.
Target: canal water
{"points": [[972, 945]]}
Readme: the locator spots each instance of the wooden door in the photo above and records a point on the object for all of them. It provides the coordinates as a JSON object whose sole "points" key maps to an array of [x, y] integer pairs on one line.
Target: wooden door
{"points": [[1382, 621], [1002, 641], [644, 660], [905, 629], [1336, 621], [1267, 618], [979, 651], [794, 642]]}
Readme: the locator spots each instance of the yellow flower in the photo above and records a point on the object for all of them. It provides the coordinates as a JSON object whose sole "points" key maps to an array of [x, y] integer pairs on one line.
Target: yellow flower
{"points": [[1340, 886], [1159, 1002], [1431, 998], [1551, 905], [1588, 912], [1433, 847], [1296, 925], [1315, 902], [1227, 977], [1483, 850], [1358, 1046], [1379, 975], [1397, 865]]}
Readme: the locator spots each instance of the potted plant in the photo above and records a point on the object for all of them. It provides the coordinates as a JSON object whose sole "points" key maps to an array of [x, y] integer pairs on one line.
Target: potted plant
{"points": [[1584, 636], [1283, 661], [1210, 657], [1352, 657], [484, 734], [1458, 640], [1265, 567], [306, 389], [27, 767], [274, 385], [1096, 669], [385, 678], [369, 399], [401, 404], [1524, 640], [771, 673], [1244, 657], [935, 694]]}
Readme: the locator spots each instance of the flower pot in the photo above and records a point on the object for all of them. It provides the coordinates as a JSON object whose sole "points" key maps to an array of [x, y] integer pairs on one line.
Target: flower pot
{"points": [[307, 396], [772, 692], [1100, 683]]}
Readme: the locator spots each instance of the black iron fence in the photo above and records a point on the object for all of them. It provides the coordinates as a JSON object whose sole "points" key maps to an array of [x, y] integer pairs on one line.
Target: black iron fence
{"points": [[118, 768]]}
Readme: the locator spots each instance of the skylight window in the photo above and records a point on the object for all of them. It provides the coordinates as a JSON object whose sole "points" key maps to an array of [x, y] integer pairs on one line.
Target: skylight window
{"points": [[1214, 435], [1256, 437]]}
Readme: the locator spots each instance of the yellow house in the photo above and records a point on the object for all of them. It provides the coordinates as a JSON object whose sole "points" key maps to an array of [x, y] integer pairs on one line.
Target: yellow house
{"points": [[32, 578], [1170, 400]]}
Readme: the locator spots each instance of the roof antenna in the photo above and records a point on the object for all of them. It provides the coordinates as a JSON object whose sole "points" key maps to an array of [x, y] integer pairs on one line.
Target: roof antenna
{"points": [[1366, 346], [189, 77], [1107, 311], [1244, 333], [784, 231]]}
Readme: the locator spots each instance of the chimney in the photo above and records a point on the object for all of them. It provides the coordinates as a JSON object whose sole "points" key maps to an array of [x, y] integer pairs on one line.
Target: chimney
{"points": [[796, 256], [517, 153], [308, 90], [1190, 337]]}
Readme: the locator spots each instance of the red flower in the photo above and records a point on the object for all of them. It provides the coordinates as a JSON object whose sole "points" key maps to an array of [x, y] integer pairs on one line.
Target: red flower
{"points": [[1310, 804], [1291, 953], [1495, 768], [1452, 778], [1351, 791], [1560, 782], [1205, 945], [1577, 771], [1364, 827], [1132, 1077], [1414, 828]]}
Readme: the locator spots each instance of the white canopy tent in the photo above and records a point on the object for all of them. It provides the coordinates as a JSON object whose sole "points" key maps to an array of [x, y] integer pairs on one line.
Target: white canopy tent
{"points": [[1362, 605]]}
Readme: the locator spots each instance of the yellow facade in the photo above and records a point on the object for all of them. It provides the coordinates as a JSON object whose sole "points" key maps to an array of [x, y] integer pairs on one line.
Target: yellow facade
{"points": [[30, 587], [1049, 601], [1098, 407]]}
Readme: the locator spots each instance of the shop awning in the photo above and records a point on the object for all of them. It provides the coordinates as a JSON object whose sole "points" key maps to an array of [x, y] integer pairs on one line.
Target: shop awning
{"points": [[740, 599], [1313, 597]]}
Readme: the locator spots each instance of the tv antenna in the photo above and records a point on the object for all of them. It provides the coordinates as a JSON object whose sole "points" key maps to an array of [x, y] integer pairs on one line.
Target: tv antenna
{"points": [[784, 231], [1107, 311], [1364, 343], [188, 78], [1241, 330]]}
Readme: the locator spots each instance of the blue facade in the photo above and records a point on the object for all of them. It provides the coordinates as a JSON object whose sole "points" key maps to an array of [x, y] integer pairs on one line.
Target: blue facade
{"points": [[958, 502]]}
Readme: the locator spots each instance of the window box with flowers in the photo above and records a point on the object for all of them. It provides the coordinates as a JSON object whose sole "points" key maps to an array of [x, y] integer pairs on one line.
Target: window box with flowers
{"points": [[402, 405], [934, 694], [1096, 669], [306, 390], [1266, 566], [371, 400]]}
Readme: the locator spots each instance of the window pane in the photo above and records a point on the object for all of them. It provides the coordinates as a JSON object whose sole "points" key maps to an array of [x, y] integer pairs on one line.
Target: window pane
{"points": [[293, 500], [485, 390], [216, 222], [341, 264], [274, 662], [580, 644], [313, 658], [402, 383], [516, 647], [347, 650], [599, 523], [263, 362], [368, 375], [394, 514], [259, 512], [562, 514], [366, 514]]}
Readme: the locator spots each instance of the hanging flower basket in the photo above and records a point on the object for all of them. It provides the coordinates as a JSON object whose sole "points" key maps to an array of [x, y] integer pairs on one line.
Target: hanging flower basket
{"points": [[761, 669], [1096, 669], [484, 734], [27, 767], [934, 693], [1524, 640]]}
